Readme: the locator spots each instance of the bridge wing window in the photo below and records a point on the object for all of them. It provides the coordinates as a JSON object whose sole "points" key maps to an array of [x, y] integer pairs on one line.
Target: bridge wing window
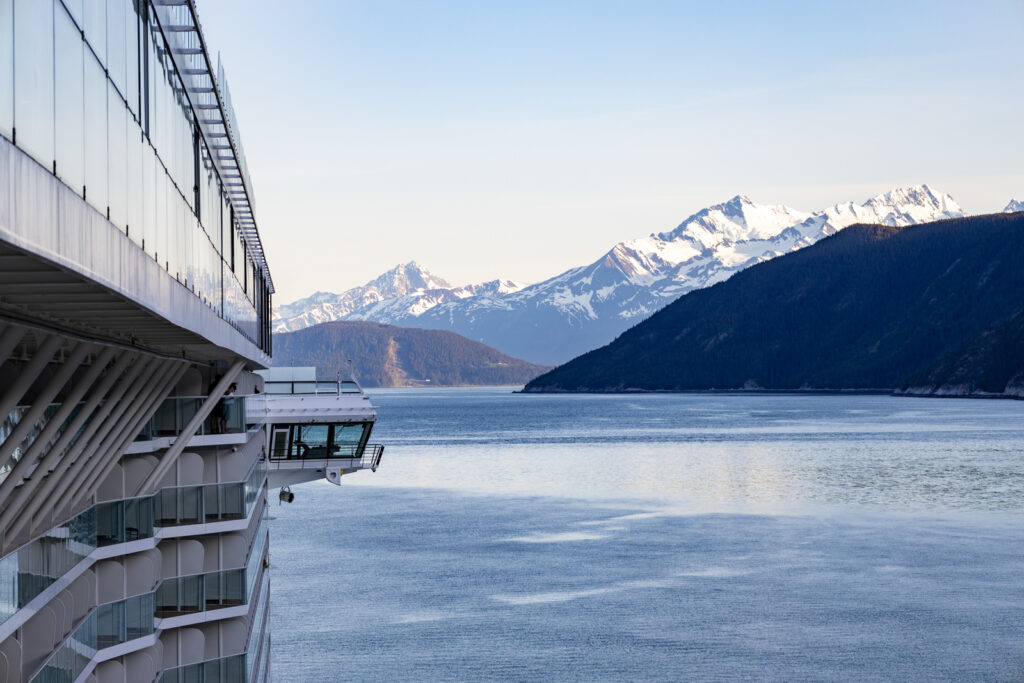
{"points": [[309, 441], [347, 439], [279, 447]]}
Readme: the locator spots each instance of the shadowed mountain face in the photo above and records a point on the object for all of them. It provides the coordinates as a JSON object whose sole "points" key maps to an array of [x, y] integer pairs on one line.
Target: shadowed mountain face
{"points": [[588, 306], [988, 363], [388, 356], [873, 307]]}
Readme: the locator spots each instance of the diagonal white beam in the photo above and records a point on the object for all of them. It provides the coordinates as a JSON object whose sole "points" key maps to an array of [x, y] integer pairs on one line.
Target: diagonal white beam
{"points": [[61, 472], [134, 401], [161, 385], [171, 454], [15, 497], [29, 374], [39, 405]]}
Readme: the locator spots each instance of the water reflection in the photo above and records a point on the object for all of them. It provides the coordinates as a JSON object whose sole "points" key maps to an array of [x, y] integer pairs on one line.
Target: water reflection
{"points": [[708, 452]]}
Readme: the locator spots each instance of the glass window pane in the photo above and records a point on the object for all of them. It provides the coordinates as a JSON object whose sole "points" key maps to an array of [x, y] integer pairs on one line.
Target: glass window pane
{"points": [[279, 447], [95, 135], [132, 66], [135, 150], [75, 8], [116, 43], [346, 439], [117, 163], [310, 441], [70, 106], [94, 23], [150, 166], [6, 67], [33, 78]]}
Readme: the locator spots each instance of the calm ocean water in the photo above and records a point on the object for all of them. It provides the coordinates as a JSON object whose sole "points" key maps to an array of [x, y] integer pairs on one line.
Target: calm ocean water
{"points": [[661, 537]]}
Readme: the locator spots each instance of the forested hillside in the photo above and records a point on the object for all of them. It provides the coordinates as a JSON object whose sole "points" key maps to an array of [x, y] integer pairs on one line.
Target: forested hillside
{"points": [[387, 356], [871, 308]]}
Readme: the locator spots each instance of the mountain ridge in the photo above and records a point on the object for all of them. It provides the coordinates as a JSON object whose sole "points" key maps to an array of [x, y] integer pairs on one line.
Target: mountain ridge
{"points": [[587, 306], [871, 308]]}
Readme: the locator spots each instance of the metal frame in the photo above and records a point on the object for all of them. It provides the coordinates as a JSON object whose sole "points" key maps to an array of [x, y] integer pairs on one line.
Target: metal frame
{"points": [[211, 104]]}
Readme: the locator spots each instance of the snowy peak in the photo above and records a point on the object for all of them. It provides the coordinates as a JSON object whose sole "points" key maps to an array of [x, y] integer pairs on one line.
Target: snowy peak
{"points": [[493, 288], [736, 220], [1014, 206], [741, 220], [910, 205], [406, 278], [407, 290]]}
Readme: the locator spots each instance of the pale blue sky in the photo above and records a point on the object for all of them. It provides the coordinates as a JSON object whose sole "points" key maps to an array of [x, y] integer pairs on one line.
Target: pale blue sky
{"points": [[517, 139]]}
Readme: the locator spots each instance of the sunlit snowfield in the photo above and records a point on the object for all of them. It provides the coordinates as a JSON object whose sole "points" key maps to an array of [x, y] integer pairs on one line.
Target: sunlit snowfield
{"points": [[661, 537]]}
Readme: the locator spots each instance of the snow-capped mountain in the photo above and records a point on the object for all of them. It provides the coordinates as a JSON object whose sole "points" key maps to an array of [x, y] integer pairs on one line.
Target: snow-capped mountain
{"points": [[405, 290], [586, 307], [1014, 206]]}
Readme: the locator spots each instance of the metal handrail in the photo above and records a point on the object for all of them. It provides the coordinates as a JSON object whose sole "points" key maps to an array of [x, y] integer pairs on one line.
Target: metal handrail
{"points": [[369, 458]]}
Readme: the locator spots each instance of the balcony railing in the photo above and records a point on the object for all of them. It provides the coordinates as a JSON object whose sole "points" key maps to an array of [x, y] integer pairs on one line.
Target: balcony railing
{"points": [[106, 626], [28, 571], [126, 620], [169, 420], [225, 670], [368, 458]]}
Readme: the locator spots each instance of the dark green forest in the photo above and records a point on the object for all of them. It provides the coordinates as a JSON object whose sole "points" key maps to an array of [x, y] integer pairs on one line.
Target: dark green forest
{"points": [[387, 356], [934, 308]]}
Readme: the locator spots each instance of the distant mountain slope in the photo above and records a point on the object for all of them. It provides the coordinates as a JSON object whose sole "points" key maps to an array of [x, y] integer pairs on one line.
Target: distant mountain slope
{"points": [[872, 307], [1014, 206], [384, 356], [990, 363], [588, 306]]}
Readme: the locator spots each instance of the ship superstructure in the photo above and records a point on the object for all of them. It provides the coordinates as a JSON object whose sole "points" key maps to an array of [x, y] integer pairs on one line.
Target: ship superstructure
{"points": [[134, 310], [317, 429]]}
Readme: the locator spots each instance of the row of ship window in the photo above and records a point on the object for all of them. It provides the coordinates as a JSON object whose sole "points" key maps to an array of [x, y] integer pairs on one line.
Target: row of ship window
{"points": [[91, 93]]}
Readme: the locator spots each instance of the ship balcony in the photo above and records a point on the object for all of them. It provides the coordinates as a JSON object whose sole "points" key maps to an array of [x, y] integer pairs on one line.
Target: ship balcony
{"points": [[231, 421]]}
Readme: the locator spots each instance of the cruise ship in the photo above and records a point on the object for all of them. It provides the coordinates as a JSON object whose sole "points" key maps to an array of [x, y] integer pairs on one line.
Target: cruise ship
{"points": [[137, 441]]}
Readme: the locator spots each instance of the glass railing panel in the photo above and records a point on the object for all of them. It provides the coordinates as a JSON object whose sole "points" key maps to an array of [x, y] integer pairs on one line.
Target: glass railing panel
{"points": [[138, 518], [254, 485], [202, 592], [350, 387], [119, 622], [225, 670], [256, 556], [170, 419], [258, 633], [27, 572], [108, 625], [328, 387], [179, 506], [225, 589], [175, 597]]}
